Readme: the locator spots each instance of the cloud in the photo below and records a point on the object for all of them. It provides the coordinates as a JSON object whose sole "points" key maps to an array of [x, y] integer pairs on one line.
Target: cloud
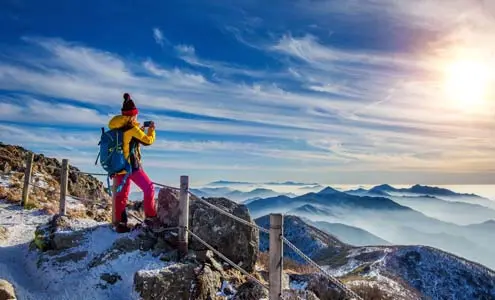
{"points": [[158, 36], [356, 110], [29, 110]]}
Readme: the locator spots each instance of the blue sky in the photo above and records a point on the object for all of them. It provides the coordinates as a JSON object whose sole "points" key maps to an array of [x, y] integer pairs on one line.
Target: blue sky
{"points": [[298, 90]]}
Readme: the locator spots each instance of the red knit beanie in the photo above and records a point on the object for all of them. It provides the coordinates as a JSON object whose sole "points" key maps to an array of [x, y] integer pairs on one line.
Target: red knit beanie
{"points": [[128, 107]]}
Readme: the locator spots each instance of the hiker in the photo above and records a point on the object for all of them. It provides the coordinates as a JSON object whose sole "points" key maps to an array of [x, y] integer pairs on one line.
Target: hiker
{"points": [[133, 137]]}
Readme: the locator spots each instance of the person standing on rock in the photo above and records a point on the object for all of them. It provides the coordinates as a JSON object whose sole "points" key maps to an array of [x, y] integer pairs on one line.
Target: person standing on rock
{"points": [[133, 137]]}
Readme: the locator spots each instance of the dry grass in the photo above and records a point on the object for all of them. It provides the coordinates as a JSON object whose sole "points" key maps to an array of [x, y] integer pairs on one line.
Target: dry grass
{"points": [[11, 195], [77, 213], [290, 265]]}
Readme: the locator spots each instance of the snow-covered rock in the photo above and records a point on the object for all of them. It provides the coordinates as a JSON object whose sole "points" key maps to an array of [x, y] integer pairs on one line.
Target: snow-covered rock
{"points": [[7, 291]]}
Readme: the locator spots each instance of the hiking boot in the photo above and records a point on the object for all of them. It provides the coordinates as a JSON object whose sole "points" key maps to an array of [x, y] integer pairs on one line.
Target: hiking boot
{"points": [[154, 224], [122, 228]]}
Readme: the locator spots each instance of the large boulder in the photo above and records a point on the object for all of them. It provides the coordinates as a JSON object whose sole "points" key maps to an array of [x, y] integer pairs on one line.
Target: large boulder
{"points": [[237, 241], [168, 207], [58, 234], [170, 283], [7, 291]]}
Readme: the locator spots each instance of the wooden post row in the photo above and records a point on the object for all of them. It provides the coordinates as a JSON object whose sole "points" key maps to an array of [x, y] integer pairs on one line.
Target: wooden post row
{"points": [[276, 254], [64, 178], [183, 216], [27, 179]]}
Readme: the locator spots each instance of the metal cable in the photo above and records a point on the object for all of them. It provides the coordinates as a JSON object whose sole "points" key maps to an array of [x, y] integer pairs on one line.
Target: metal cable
{"points": [[228, 260], [88, 173], [234, 217], [330, 277], [80, 199], [166, 186]]}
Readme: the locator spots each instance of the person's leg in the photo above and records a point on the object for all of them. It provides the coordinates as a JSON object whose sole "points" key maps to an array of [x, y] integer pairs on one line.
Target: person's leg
{"points": [[141, 179], [121, 200]]}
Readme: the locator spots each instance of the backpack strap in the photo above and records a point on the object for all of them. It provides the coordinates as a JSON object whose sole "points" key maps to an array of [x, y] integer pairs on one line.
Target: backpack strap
{"points": [[128, 173]]}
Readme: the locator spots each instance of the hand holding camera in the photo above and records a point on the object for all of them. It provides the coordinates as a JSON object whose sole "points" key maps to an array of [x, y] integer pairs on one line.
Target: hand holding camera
{"points": [[149, 124]]}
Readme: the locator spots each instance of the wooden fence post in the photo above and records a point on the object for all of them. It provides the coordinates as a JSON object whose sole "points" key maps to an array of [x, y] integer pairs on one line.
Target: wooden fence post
{"points": [[64, 179], [27, 179], [276, 253], [183, 216]]}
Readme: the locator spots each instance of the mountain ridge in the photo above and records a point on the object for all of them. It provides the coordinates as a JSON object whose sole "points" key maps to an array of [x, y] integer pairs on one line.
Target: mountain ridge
{"points": [[399, 270]]}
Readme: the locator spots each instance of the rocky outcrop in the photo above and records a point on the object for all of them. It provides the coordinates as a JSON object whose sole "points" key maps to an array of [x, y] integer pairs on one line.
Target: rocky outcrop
{"points": [[7, 291], [251, 290], [168, 207], [46, 173], [57, 235], [170, 283], [208, 284], [235, 240]]}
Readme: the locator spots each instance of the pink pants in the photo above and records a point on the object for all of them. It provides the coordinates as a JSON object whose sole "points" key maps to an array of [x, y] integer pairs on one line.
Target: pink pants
{"points": [[141, 179]]}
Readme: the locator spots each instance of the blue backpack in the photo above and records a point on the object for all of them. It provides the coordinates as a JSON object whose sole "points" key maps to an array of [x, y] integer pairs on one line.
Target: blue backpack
{"points": [[111, 155]]}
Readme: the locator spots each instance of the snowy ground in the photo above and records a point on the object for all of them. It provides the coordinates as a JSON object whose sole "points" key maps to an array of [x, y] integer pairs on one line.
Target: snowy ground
{"points": [[21, 225], [70, 280]]}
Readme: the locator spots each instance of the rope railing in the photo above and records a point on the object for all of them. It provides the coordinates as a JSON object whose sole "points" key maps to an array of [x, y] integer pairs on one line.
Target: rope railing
{"points": [[261, 229], [166, 186], [89, 173], [334, 280], [276, 261], [228, 260]]}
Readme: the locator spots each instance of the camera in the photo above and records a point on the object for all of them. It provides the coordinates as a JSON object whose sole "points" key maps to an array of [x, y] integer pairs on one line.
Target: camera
{"points": [[147, 123]]}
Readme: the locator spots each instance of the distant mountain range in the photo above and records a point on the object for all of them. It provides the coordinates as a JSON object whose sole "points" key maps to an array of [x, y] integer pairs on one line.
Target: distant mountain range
{"points": [[288, 183], [236, 195], [406, 272], [384, 218], [349, 234], [421, 190]]}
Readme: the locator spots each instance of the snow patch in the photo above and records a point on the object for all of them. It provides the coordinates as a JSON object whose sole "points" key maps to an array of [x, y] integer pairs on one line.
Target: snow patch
{"points": [[298, 285], [4, 180], [74, 203]]}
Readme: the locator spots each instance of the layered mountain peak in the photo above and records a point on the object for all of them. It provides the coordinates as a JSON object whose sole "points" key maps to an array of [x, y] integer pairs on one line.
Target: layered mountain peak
{"points": [[328, 190]]}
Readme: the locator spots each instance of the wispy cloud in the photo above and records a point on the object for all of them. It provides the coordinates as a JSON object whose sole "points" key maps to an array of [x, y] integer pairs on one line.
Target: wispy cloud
{"points": [[28, 110], [319, 107], [158, 36]]}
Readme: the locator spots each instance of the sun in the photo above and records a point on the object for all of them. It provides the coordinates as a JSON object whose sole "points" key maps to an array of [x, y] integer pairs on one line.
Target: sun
{"points": [[467, 83]]}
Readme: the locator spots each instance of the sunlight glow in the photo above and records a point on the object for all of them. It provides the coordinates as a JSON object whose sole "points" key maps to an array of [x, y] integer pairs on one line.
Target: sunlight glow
{"points": [[467, 83]]}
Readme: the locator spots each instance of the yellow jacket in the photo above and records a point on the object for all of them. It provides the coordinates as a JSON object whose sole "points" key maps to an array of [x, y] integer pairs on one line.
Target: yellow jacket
{"points": [[133, 137]]}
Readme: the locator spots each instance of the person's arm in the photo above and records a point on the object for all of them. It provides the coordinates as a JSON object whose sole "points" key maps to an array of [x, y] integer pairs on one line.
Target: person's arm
{"points": [[145, 138]]}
